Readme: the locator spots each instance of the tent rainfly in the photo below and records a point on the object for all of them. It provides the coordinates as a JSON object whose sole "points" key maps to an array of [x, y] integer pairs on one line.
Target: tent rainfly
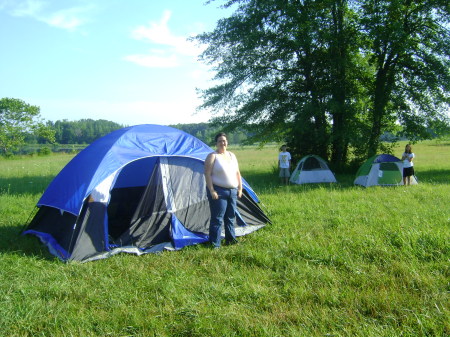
{"points": [[381, 170], [139, 189], [312, 169]]}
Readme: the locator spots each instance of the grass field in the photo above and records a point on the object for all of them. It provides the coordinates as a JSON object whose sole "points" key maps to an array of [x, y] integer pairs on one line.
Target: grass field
{"points": [[338, 260]]}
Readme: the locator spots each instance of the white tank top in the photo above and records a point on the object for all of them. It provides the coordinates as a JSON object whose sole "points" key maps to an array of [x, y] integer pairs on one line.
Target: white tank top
{"points": [[406, 162], [224, 171]]}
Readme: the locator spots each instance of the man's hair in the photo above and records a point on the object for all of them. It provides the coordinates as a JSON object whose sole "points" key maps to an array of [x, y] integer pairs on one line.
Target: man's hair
{"points": [[220, 134]]}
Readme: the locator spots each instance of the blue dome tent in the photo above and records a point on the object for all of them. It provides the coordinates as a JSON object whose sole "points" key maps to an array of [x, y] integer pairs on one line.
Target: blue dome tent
{"points": [[139, 189]]}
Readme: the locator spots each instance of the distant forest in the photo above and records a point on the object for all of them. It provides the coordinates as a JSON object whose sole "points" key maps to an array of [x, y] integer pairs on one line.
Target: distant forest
{"points": [[73, 136], [85, 131]]}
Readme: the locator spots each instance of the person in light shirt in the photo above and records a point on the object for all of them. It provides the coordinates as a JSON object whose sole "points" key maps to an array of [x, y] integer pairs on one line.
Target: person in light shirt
{"points": [[284, 164], [408, 165], [224, 186]]}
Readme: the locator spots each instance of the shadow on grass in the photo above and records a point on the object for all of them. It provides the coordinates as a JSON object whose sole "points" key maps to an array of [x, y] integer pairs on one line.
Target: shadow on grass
{"points": [[11, 238], [434, 176], [23, 185], [269, 182], [13, 242], [261, 180]]}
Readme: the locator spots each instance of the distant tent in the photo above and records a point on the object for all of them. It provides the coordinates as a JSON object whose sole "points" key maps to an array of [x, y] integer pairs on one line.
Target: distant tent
{"points": [[312, 169], [140, 189], [381, 170]]}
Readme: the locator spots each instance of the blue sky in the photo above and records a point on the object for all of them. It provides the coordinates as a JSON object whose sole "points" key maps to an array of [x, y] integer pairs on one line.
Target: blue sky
{"points": [[126, 61]]}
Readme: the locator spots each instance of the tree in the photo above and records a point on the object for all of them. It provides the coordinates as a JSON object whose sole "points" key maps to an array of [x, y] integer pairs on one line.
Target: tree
{"points": [[409, 46], [285, 68], [17, 119], [330, 76]]}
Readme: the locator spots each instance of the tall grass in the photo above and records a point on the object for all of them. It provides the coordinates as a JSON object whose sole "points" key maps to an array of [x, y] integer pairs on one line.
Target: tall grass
{"points": [[338, 260]]}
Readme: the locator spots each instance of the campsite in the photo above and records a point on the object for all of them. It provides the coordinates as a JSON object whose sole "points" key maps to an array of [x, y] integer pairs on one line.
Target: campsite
{"points": [[337, 259]]}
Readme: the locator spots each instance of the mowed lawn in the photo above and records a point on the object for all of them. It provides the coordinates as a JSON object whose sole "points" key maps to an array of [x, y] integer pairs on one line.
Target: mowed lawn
{"points": [[338, 260]]}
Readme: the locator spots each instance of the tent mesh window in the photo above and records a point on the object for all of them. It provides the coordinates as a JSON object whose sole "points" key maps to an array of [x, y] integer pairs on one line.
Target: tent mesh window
{"points": [[311, 164], [121, 208], [388, 167], [60, 225]]}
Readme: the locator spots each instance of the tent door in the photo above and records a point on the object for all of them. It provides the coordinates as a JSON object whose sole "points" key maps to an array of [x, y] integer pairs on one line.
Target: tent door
{"points": [[389, 174], [126, 195]]}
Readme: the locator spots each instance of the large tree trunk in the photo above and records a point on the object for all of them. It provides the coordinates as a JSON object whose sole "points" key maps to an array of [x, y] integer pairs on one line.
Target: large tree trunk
{"points": [[338, 155], [338, 57], [321, 134], [383, 86]]}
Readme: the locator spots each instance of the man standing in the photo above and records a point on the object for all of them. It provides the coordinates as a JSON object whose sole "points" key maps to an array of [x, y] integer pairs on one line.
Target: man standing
{"points": [[284, 164]]}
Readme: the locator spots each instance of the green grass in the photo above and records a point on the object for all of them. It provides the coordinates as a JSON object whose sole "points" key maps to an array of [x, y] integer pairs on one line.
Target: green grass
{"points": [[338, 260]]}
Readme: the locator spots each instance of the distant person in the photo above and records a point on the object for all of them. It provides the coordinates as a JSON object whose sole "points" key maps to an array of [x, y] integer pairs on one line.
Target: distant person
{"points": [[224, 186], [284, 164], [408, 166]]}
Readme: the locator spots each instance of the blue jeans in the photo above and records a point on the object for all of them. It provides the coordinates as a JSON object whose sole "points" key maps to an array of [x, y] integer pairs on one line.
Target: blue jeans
{"points": [[222, 210]]}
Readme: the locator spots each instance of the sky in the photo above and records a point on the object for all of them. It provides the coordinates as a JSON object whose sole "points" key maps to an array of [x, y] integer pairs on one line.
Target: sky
{"points": [[126, 61]]}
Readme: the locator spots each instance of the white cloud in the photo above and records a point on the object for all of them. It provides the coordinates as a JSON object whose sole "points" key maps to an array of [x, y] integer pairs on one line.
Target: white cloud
{"points": [[159, 33], [68, 18], [174, 47]]}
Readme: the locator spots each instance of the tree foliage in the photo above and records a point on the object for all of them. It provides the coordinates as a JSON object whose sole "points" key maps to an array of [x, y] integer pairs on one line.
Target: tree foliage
{"points": [[207, 131], [329, 76], [17, 120], [409, 46], [83, 131]]}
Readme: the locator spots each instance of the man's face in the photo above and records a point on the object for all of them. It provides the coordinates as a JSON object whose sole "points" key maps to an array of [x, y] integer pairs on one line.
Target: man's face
{"points": [[222, 141]]}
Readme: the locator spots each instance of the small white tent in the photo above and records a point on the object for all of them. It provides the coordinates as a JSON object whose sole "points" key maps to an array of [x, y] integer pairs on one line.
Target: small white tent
{"points": [[312, 169]]}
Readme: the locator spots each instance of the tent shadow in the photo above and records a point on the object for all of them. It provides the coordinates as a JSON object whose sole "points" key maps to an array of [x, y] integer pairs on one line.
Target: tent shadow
{"points": [[269, 182], [13, 242], [262, 181]]}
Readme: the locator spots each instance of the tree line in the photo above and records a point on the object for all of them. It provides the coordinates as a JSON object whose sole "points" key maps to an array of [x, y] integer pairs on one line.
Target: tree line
{"points": [[85, 131], [207, 131], [22, 131], [21, 127]]}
